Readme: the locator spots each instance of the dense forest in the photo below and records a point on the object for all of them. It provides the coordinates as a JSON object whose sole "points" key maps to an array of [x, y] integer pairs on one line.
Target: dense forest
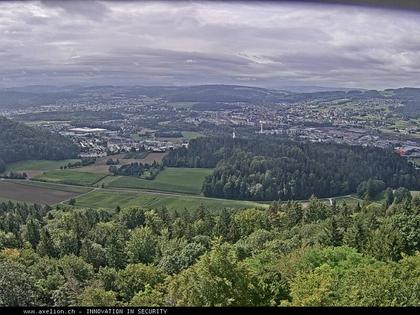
{"points": [[20, 142], [268, 168], [287, 254]]}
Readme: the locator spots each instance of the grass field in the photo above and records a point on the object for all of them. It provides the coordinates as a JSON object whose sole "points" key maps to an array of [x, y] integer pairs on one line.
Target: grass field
{"points": [[53, 186], [42, 165], [349, 200], [185, 180], [70, 177], [104, 198], [191, 134], [106, 180], [30, 192]]}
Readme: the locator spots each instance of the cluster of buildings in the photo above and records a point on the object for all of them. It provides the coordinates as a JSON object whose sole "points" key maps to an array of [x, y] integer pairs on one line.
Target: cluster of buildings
{"points": [[100, 142], [348, 123], [368, 122]]}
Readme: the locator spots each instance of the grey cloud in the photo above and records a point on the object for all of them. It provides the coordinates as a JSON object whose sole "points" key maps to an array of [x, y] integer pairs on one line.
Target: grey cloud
{"points": [[90, 9], [207, 42]]}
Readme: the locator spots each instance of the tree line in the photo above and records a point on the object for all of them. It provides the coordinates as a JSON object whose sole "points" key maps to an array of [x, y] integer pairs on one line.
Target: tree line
{"points": [[146, 170], [77, 164], [269, 168], [287, 254]]}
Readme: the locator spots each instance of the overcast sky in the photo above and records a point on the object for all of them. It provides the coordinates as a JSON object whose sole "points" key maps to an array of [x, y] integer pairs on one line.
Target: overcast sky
{"points": [[184, 43]]}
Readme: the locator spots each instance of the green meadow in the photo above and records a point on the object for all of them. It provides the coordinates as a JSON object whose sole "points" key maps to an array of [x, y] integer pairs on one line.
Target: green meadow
{"points": [[191, 134], [184, 180], [43, 165], [104, 198]]}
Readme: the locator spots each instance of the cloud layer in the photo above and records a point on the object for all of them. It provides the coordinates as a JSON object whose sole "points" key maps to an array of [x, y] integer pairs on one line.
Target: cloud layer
{"points": [[183, 43]]}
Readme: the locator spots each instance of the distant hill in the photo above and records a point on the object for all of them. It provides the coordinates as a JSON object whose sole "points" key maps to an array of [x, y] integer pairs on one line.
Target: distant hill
{"points": [[312, 89], [44, 95], [20, 142], [410, 97], [19, 99], [211, 93], [209, 96]]}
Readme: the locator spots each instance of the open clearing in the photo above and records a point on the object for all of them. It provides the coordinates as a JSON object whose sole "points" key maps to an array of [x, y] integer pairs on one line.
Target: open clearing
{"points": [[184, 180], [70, 177], [25, 191], [108, 198]]}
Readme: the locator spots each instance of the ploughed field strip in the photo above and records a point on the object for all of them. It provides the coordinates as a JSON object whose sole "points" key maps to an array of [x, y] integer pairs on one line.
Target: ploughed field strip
{"points": [[70, 177], [26, 192], [53, 186]]}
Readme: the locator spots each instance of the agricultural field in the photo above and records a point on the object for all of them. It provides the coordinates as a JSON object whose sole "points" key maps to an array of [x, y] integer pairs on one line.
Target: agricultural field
{"points": [[191, 134], [31, 192], [70, 177], [135, 155], [107, 198], [154, 156], [53, 186], [184, 180], [105, 181], [36, 167]]}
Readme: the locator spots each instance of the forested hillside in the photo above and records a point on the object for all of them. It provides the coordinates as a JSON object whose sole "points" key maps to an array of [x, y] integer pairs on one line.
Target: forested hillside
{"points": [[286, 255], [20, 142], [269, 168]]}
